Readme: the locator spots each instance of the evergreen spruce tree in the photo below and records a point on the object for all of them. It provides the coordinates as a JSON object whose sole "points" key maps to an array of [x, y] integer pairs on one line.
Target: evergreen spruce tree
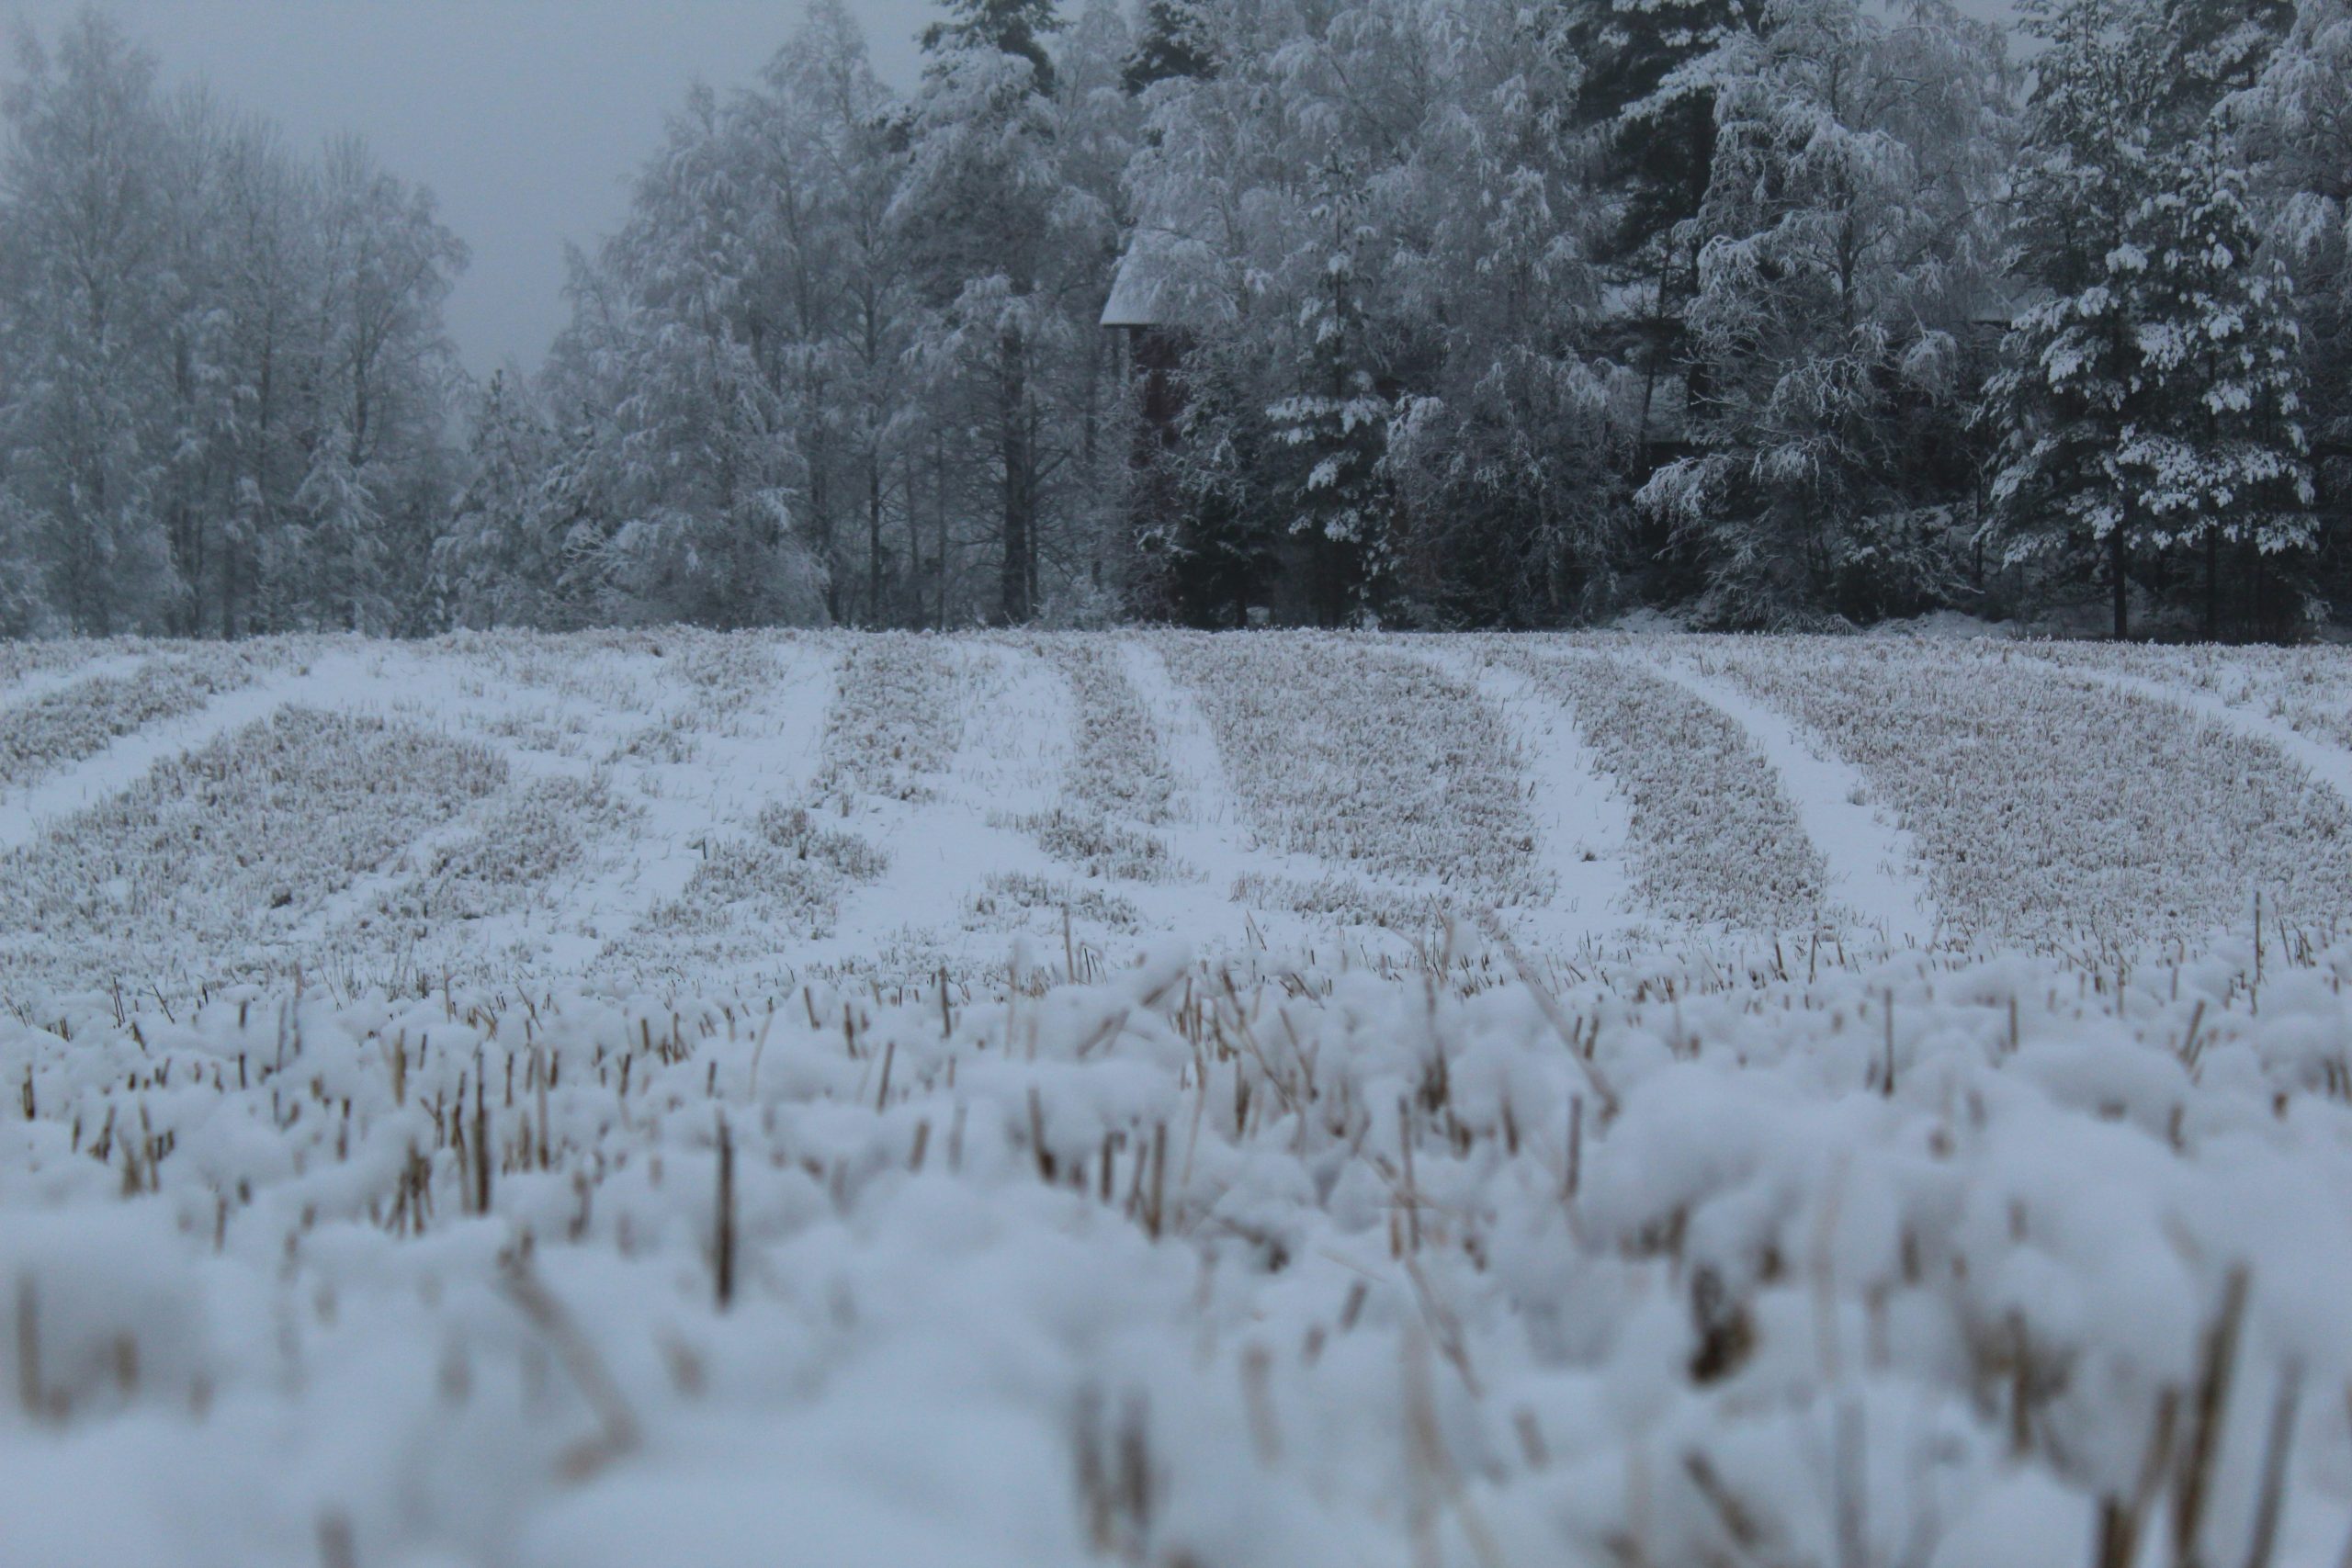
{"points": [[1177, 44], [498, 564], [2152, 400], [1017, 27]]}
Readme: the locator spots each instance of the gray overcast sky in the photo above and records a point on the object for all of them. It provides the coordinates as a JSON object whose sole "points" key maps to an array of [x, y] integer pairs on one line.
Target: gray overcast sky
{"points": [[527, 117]]}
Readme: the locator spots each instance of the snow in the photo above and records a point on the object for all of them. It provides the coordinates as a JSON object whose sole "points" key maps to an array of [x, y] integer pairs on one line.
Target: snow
{"points": [[1584, 826], [24, 814], [2330, 765], [1870, 858], [1247, 1229]]}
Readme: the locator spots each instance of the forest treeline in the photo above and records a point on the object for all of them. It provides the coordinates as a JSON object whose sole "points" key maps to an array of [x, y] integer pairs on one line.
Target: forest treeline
{"points": [[1765, 313]]}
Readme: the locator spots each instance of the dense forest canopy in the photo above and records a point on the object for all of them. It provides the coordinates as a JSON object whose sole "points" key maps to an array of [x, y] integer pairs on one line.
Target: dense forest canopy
{"points": [[1765, 313]]}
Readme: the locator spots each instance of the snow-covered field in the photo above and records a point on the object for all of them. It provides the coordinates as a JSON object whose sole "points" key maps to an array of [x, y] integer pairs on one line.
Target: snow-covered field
{"points": [[659, 1098]]}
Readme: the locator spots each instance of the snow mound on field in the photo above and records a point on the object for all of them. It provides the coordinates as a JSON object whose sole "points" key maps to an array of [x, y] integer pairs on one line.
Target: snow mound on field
{"points": [[1270, 1263]]}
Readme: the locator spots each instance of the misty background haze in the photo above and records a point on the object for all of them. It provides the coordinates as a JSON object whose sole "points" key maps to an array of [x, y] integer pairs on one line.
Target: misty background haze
{"points": [[526, 118]]}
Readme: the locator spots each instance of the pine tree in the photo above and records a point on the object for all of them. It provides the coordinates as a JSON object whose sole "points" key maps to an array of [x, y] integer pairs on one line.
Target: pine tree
{"points": [[500, 563], [1651, 68], [2215, 48], [1851, 174], [999, 239], [1177, 45], [2221, 454], [2294, 127], [2152, 400], [1017, 27]]}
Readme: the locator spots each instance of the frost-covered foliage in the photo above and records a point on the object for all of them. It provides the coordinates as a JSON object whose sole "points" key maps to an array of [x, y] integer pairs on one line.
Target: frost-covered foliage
{"points": [[674, 479], [62, 726], [222, 412], [1278, 1265], [2295, 126], [1714, 838], [2072, 817], [1002, 240], [199, 873], [2153, 400], [1367, 757], [1849, 227], [1369, 234]]}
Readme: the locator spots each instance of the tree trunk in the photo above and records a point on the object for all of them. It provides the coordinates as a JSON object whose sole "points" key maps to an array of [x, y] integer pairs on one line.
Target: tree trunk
{"points": [[1016, 574], [2118, 559], [2213, 585], [939, 503], [873, 537], [820, 506]]}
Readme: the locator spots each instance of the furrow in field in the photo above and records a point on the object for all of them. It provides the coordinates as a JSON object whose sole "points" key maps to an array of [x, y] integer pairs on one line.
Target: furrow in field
{"points": [[964, 883], [1232, 878], [1584, 828], [84, 717], [2059, 813], [2328, 762], [209, 866], [629, 770], [1392, 773], [321, 682], [1869, 863], [34, 678]]}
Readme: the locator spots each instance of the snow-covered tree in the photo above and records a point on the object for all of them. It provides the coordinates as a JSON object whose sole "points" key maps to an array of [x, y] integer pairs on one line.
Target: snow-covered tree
{"points": [[1015, 27], [1009, 255], [1854, 164], [1648, 73], [192, 318], [81, 181], [2152, 400], [1375, 242], [840, 281], [2294, 126], [500, 563], [1175, 40]]}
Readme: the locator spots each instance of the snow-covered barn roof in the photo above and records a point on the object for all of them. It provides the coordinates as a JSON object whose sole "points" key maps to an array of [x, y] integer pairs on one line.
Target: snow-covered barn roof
{"points": [[1138, 293], [1133, 302]]}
